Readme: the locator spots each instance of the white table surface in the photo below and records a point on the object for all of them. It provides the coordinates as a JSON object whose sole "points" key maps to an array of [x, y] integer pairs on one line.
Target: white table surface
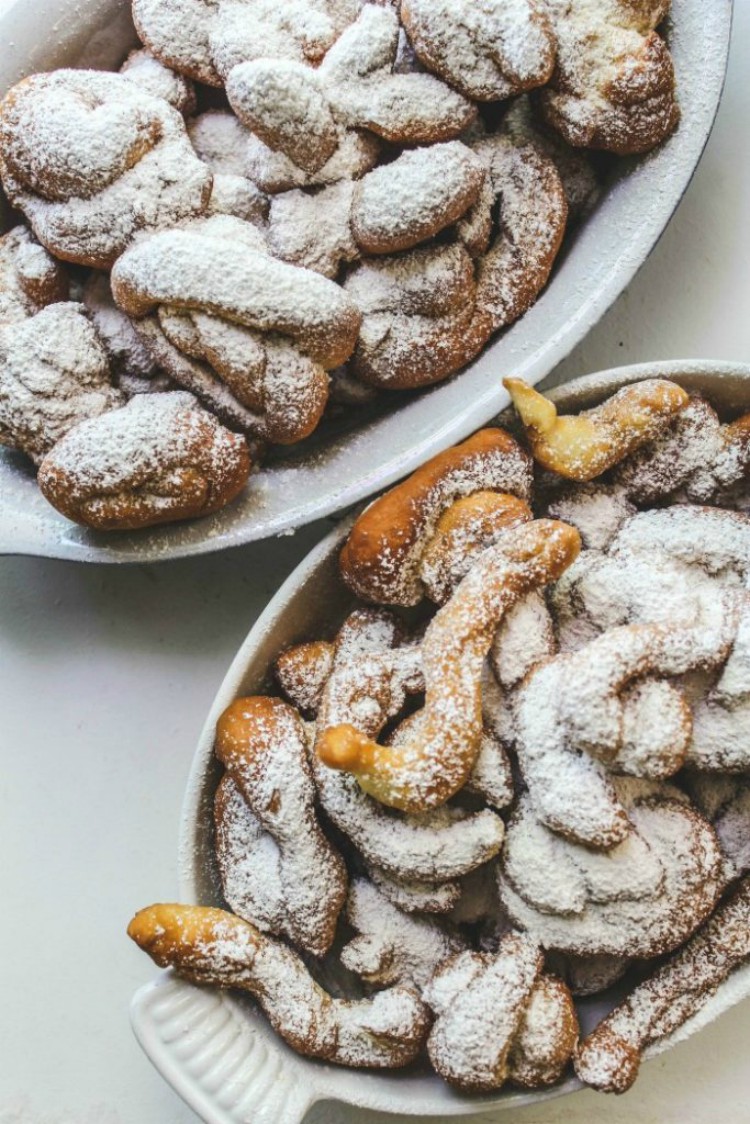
{"points": [[105, 678]]}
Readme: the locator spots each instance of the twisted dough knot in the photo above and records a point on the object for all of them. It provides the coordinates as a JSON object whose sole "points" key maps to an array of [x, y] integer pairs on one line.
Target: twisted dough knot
{"points": [[603, 705], [252, 335], [394, 207], [488, 51], [428, 313], [210, 946], [206, 38], [278, 869], [53, 375], [30, 278], [91, 159], [500, 1018], [642, 898], [609, 1058], [392, 947], [382, 558], [613, 86], [371, 669], [426, 771], [305, 112], [583, 446], [159, 459]]}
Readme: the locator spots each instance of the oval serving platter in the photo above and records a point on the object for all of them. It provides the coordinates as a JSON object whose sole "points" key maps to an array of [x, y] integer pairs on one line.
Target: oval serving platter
{"points": [[216, 1049], [597, 263]]}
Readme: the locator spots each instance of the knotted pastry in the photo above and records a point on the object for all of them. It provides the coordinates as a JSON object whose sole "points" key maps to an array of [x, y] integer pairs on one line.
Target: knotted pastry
{"points": [[725, 802], [585, 445], [91, 159], [487, 51], [158, 80], [278, 869], [305, 111], [427, 770], [641, 898], [609, 1058], [610, 702], [613, 86], [53, 374], [210, 946], [416, 897], [392, 947], [158, 459], [428, 313], [394, 207], [206, 38], [382, 558], [220, 141], [30, 278], [250, 335], [499, 1018]]}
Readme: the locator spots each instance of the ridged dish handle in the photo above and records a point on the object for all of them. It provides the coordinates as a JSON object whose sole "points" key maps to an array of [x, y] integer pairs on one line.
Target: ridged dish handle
{"points": [[214, 1059]]}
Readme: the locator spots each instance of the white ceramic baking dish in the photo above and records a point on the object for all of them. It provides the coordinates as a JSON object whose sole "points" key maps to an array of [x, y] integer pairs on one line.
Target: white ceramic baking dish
{"points": [[215, 1048], [599, 261]]}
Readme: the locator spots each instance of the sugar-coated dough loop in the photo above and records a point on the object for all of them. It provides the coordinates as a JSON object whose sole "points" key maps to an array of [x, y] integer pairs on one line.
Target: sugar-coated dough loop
{"points": [[210, 946], [583, 446], [53, 374], [158, 459], [131, 363], [642, 897], [613, 86], [609, 1058], [427, 771], [572, 714], [499, 1019], [488, 51], [392, 947], [215, 308], [92, 159], [261, 742], [30, 278], [383, 553]]}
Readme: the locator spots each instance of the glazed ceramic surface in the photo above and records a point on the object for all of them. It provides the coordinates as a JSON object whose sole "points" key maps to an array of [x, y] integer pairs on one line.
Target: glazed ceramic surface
{"points": [[217, 1049], [332, 472]]}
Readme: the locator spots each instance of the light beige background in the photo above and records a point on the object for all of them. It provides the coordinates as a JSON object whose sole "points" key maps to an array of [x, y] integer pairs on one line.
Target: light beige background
{"points": [[105, 678]]}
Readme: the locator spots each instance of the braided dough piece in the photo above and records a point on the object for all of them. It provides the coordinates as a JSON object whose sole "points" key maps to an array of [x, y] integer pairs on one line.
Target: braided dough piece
{"points": [[613, 87], [416, 897], [499, 1018], [229, 314], [30, 278], [158, 80], [642, 898], [609, 1058], [303, 671], [583, 446], [158, 459], [427, 771], [210, 946], [206, 38], [91, 160], [582, 708], [53, 375], [392, 947], [261, 742], [305, 112], [382, 556], [487, 51]]}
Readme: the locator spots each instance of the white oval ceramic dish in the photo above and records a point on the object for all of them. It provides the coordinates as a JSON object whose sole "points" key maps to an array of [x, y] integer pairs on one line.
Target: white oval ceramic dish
{"points": [[599, 261], [217, 1050]]}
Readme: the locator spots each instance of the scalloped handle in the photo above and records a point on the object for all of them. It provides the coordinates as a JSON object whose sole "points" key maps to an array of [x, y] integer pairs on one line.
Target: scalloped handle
{"points": [[225, 1071]]}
